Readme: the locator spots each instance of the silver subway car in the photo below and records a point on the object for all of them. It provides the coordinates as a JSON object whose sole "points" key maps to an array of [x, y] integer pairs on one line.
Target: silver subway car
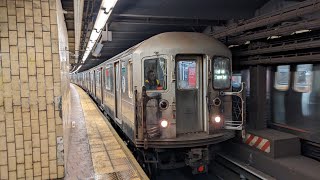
{"points": [[171, 96]]}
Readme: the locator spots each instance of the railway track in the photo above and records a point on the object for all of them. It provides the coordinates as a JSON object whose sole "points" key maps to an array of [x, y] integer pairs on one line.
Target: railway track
{"points": [[223, 167], [226, 167]]}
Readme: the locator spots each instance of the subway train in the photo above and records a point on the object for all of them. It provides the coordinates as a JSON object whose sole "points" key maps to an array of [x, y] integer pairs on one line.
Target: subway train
{"points": [[171, 96]]}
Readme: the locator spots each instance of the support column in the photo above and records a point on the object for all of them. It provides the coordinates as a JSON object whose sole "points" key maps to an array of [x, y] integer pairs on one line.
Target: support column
{"points": [[258, 103], [30, 89]]}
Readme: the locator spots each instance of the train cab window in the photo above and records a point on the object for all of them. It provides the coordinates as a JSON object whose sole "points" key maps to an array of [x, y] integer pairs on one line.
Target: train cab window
{"points": [[109, 78], [221, 72], [130, 80], [155, 74], [303, 78], [282, 78], [187, 75]]}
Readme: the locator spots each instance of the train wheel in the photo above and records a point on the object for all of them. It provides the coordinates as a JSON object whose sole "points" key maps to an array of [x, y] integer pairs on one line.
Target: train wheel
{"points": [[150, 168], [141, 160], [153, 170]]}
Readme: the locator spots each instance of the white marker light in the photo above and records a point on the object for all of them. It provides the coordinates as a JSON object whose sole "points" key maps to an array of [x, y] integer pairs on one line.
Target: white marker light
{"points": [[217, 119], [164, 123]]}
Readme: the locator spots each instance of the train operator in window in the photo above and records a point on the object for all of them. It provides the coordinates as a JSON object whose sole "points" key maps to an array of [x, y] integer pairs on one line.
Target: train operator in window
{"points": [[152, 83]]}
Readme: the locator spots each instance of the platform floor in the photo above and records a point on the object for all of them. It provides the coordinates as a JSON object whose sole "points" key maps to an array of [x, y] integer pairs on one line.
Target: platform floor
{"points": [[95, 150]]}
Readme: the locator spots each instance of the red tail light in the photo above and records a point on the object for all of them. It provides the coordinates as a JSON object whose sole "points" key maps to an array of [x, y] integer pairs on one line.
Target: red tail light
{"points": [[201, 168]]}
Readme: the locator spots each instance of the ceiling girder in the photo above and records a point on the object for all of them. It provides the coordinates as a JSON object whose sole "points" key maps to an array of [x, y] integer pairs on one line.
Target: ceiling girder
{"points": [[282, 47], [281, 30], [163, 20], [300, 9], [284, 59]]}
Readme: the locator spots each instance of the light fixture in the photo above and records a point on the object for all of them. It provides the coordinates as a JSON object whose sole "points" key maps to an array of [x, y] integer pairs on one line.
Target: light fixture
{"points": [[164, 123], [201, 168], [102, 18], [217, 119]]}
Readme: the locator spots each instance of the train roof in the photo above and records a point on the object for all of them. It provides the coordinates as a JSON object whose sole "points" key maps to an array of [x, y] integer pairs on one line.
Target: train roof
{"points": [[182, 42], [176, 43]]}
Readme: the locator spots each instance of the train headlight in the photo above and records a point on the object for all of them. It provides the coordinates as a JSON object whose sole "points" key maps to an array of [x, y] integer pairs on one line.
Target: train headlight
{"points": [[217, 119], [164, 123]]}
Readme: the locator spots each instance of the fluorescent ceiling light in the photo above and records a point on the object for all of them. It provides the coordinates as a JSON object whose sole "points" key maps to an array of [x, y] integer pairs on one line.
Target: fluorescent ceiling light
{"points": [[94, 36], [102, 18], [108, 4], [301, 31]]}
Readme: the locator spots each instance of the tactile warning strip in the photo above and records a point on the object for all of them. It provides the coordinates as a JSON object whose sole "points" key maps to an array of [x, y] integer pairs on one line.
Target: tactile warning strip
{"points": [[110, 158]]}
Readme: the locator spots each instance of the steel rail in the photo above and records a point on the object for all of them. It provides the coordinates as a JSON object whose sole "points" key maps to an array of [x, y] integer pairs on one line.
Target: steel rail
{"points": [[241, 168]]}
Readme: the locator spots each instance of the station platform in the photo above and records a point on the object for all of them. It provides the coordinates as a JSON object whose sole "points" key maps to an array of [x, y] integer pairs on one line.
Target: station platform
{"points": [[95, 149]]}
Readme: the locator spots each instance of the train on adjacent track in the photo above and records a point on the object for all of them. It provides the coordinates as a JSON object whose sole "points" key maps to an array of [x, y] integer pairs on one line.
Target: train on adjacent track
{"points": [[171, 96]]}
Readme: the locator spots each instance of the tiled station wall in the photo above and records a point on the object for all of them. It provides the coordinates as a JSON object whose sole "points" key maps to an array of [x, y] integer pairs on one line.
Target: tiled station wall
{"points": [[31, 129]]}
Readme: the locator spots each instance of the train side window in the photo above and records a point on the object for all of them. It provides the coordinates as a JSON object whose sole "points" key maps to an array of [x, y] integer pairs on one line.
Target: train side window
{"points": [[130, 80], [109, 78], [236, 80], [155, 74], [282, 78], [303, 78]]}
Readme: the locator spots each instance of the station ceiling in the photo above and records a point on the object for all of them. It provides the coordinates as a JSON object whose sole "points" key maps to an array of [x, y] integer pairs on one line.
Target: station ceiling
{"points": [[133, 21]]}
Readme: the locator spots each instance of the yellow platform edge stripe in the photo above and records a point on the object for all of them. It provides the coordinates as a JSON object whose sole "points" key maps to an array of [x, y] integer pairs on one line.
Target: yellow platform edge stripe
{"points": [[120, 141]]}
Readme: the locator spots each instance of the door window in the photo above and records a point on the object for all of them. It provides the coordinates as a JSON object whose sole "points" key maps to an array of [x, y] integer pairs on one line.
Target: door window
{"points": [[187, 75], [98, 78], [130, 80], [117, 77], [109, 78]]}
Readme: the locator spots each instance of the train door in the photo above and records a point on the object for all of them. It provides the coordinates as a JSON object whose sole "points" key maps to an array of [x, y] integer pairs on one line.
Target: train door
{"points": [[102, 77], [91, 82], [94, 83], [117, 78], [188, 94]]}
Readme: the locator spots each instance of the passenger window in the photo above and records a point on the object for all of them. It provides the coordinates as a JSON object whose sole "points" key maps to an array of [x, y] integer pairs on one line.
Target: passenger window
{"points": [[187, 75], [130, 79], [282, 78], [303, 78], [155, 74], [109, 78], [236, 80]]}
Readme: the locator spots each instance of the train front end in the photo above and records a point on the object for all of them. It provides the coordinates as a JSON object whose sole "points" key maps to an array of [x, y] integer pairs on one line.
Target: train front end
{"points": [[185, 105]]}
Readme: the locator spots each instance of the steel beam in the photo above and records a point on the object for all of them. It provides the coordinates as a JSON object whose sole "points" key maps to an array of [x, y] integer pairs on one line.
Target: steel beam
{"points": [[282, 30], [285, 46], [284, 59], [131, 32], [147, 16], [303, 8], [162, 20], [158, 23]]}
